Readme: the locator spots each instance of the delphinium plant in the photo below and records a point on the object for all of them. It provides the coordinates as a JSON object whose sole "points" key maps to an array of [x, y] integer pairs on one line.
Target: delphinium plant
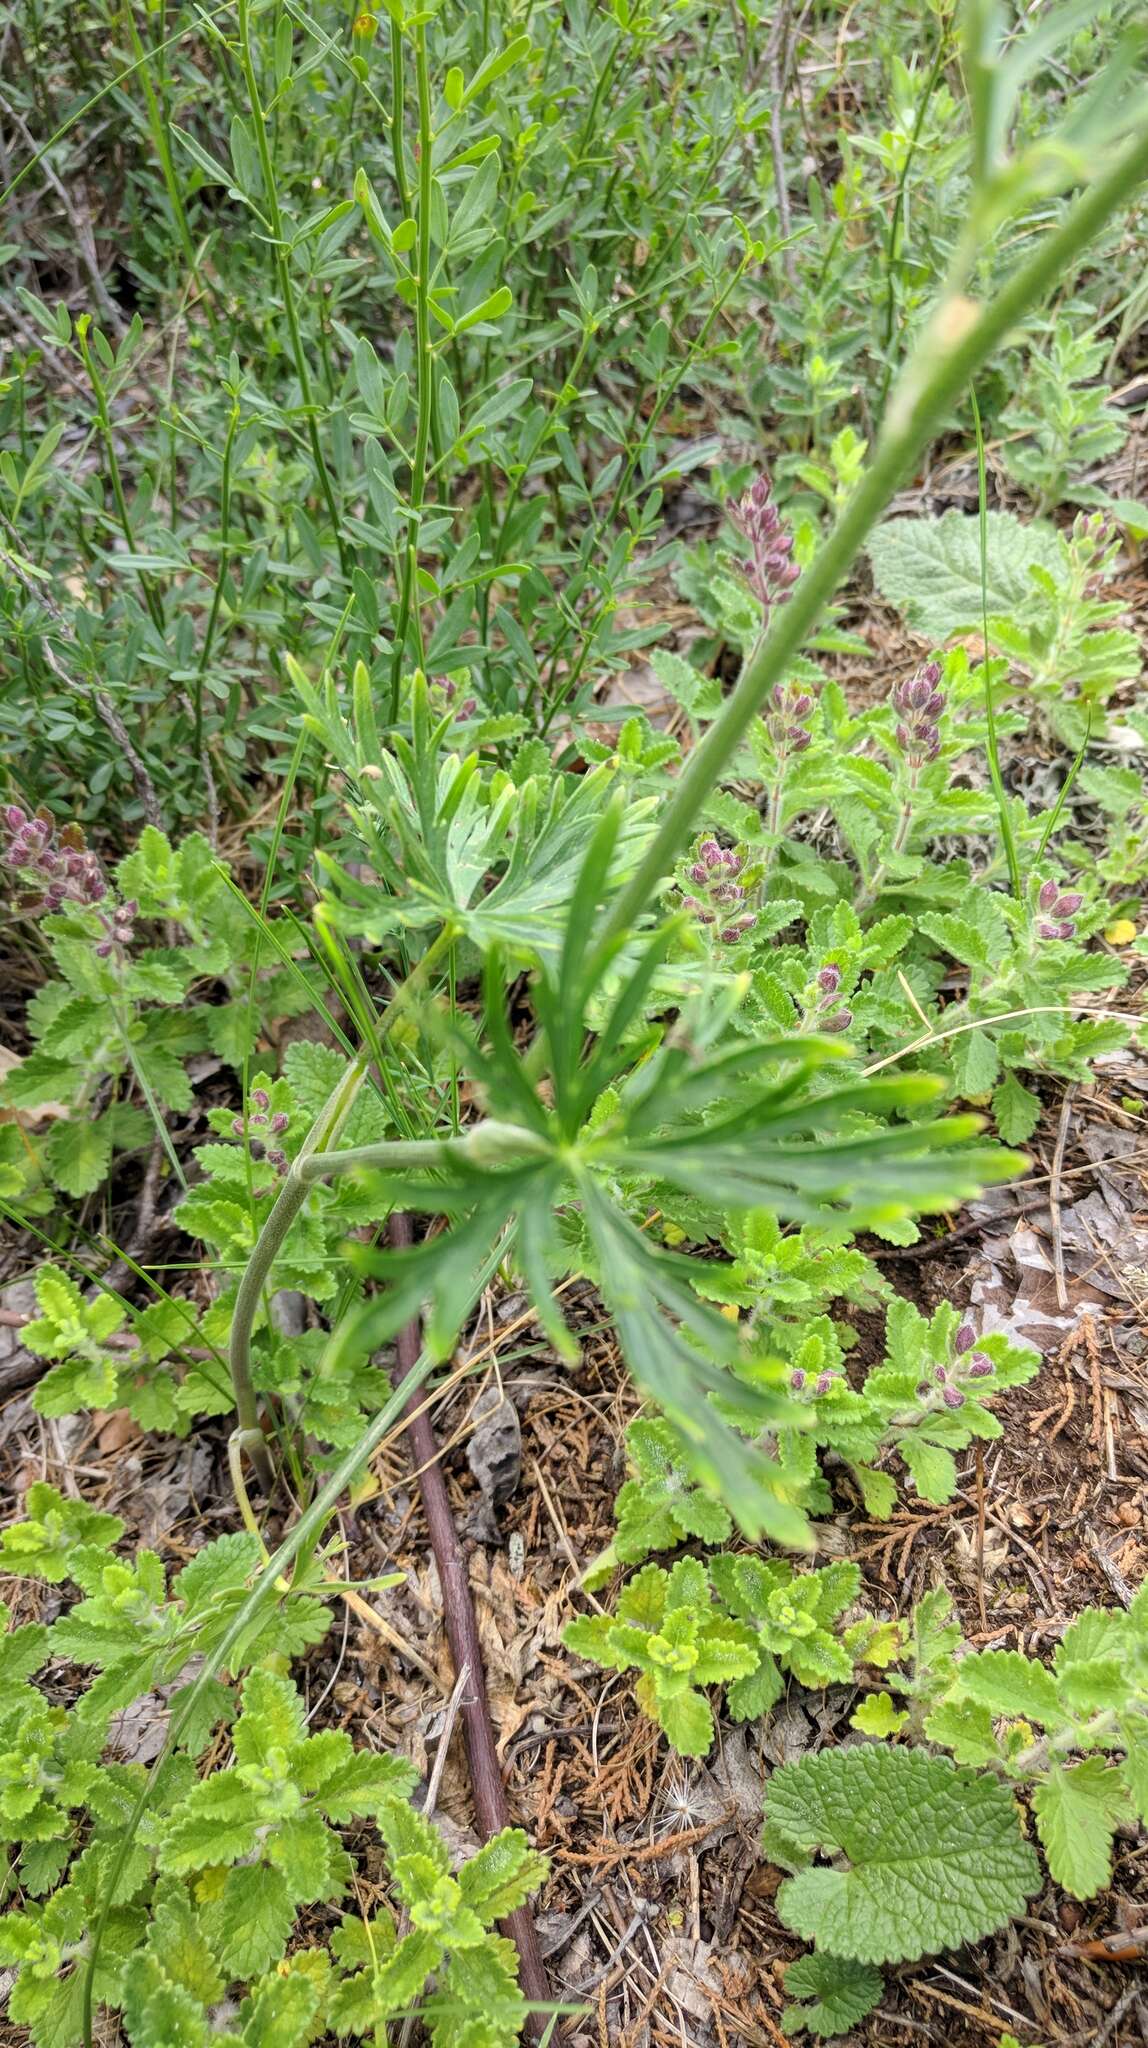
{"points": [[534, 1119]]}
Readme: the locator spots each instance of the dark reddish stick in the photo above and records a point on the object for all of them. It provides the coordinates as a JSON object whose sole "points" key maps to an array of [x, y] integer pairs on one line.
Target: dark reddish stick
{"points": [[465, 1648]]}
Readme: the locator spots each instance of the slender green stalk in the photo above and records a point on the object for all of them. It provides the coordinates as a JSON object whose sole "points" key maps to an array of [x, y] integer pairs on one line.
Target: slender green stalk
{"points": [[217, 593], [957, 341], [104, 423], [292, 1195], [298, 1543], [158, 129], [286, 282], [290, 1199], [992, 745], [424, 364], [899, 209], [396, 123]]}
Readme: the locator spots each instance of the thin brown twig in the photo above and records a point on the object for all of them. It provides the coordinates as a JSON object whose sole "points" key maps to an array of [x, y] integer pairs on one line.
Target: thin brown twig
{"points": [[465, 1647], [1054, 1195]]}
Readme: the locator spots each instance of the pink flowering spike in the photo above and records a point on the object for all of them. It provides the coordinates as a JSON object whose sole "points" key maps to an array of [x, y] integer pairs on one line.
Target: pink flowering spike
{"points": [[953, 1397], [965, 1338], [1048, 895]]}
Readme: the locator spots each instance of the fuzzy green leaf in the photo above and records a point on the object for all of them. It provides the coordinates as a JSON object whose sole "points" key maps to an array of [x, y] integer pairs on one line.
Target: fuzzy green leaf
{"points": [[935, 1854]]}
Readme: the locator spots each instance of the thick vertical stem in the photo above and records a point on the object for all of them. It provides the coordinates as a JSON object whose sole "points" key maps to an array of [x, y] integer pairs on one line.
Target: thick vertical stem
{"points": [[465, 1646]]}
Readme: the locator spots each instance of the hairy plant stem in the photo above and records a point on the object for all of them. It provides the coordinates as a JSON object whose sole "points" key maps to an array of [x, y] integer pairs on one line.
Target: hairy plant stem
{"points": [[299, 1543], [424, 365], [290, 1199], [958, 340], [286, 282], [220, 573]]}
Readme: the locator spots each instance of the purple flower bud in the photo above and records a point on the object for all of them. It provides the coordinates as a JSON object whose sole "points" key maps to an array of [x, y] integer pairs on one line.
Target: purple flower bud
{"points": [[797, 1379], [801, 706], [699, 872], [260, 1098], [103, 949], [1048, 895], [953, 1397], [710, 851], [278, 1160], [280, 1122], [923, 1390], [1047, 931], [823, 1382], [932, 673], [940, 1375], [799, 740], [839, 1021], [1065, 905], [1065, 931], [237, 1126], [965, 1339], [829, 978], [980, 1367]]}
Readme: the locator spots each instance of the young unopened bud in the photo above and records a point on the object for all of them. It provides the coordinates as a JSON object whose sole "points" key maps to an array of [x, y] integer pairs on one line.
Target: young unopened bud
{"points": [[839, 1021], [280, 1122], [940, 1375], [965, 1339], [1066, 905], [15, 818], [823, 1382], [1048, 895], [953, 1397], [829, 978], [797, 1379], [979, 1367], [260, 1098]]}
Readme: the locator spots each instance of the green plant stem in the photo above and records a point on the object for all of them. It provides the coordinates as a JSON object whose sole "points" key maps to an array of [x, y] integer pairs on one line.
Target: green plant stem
{"points": [[424, 365], [158, 129], [899, 209], [104, 423], [957, 341], [290, 1199], [300, 1541], [217, 593], [287, 1205], [992, 745], [286, 282], [397, 94]]}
